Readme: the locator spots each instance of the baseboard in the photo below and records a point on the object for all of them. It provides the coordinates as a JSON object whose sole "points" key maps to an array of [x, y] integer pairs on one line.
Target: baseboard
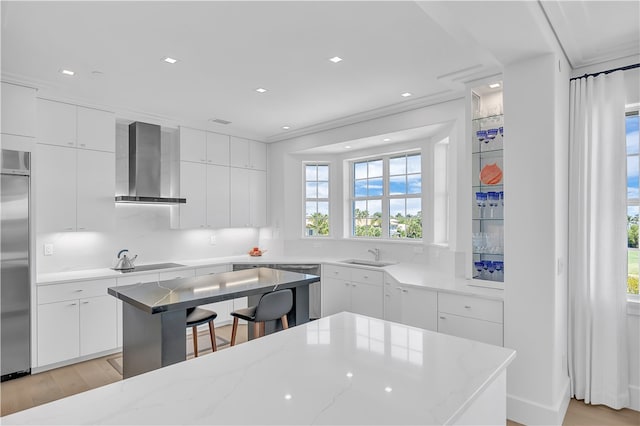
{"points": [[528, 412], [634, 397], [40, 369]]}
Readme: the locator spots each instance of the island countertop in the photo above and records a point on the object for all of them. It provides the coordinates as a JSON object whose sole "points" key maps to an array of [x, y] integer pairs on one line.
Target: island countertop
{"points": [[342, 369], [182, 293]]}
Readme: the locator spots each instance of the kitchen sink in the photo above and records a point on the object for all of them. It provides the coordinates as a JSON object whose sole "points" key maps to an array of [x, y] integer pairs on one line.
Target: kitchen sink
{"points": [[153, 267], [367, 262]]}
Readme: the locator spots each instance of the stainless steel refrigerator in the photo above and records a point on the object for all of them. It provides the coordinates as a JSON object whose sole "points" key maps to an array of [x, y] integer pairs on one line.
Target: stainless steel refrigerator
{"points": [[15, 283]]}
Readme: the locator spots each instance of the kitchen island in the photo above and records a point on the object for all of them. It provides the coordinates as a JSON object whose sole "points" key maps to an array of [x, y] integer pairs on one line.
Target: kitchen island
{"points": [[154, 313], [342, 369]]}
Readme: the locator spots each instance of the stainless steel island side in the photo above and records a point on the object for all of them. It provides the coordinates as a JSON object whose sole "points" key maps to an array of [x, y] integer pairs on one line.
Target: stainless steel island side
{"points": [[154, 313]]}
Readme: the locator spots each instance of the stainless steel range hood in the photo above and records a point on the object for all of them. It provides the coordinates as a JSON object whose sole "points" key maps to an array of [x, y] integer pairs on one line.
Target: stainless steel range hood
{"points": [[145, 167]]}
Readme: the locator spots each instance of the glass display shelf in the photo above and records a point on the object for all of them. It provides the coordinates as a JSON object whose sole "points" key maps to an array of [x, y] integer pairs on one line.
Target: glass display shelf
{"points": [[486, 253], [488, 117], [487, 151]]}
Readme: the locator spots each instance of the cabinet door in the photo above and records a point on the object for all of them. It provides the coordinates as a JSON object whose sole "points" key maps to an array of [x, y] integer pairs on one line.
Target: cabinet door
{"points": [[366, 299], [55, 188], [56, 123], [258, 155], [239, 198], [193, 145], [392, 300], [96, 190], [336, 296], [193, 178], [98, 324], [419, 308], [58, 338], [18, 110], [239, 149], [217, 149], [217, 196], [257, 198], [469, 328], [96, 129]]}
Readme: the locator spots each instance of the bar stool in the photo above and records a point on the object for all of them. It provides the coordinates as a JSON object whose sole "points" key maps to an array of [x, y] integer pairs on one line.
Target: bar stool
{"points": [[199, 316], [271, 306]]}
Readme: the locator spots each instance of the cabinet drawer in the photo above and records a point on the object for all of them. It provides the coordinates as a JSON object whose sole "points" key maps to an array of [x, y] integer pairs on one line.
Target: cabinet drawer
{"points": [[339, 272], [137, 279], [469, 328], [367, 276], [469, 306], [208, 270], [72, 291], [174, 275]]}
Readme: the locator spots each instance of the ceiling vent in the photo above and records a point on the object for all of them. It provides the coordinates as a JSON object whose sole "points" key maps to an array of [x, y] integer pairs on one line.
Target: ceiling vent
{"points": [[219, 121]]}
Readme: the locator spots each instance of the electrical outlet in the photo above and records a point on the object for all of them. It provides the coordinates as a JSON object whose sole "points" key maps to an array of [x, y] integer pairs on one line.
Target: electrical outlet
{"points": [[48, 249], [212, 240]]}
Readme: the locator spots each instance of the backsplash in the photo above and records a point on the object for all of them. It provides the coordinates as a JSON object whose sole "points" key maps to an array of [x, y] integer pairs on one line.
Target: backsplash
{"points": [[143, 230]]}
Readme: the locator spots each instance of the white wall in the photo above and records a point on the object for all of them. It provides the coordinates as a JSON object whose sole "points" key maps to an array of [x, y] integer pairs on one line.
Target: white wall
{"points": [[285, 181], [536, 111]]}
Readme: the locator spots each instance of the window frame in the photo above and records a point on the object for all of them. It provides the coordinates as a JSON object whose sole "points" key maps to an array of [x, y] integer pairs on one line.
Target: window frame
{"points": [[305, 199], [385, 197]]}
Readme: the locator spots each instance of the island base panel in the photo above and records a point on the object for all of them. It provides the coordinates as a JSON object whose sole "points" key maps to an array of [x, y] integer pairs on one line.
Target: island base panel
{"points": [[152, 341]]}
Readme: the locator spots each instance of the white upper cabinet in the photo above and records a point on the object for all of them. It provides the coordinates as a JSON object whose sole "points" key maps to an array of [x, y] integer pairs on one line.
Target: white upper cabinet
{"points": [[193, 177], [56, 123], [193, 145], [74, 126], [218, 196], [96, 129], [217, 149], [258, 198], [239, 152], [199, 146], [248, 154], [95, 190], [18, 110], [258, 155], [55, 175], [240, 198]]}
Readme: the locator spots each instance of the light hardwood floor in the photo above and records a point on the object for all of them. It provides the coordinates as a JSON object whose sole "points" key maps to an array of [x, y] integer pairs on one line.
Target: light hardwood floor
{"points": [[29, 391]]}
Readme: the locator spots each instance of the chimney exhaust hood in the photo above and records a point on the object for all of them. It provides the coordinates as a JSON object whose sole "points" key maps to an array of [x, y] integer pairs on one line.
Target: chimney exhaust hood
{"points": [[144, 167]]}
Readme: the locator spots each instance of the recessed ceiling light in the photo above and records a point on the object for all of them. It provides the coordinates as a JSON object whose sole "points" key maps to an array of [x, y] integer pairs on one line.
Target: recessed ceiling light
{"points": [[405, 94], [388, 389], [67, 72], [494, 85], [170, 60], [286, 127], [261, 90], [347, 147], [335, 59], [219, 121], [349, 374], [386, 139], [288, 396]]}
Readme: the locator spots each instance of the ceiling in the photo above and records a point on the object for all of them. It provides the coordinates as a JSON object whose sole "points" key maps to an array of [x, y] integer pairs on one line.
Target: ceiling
{"points": [[226, 50]]}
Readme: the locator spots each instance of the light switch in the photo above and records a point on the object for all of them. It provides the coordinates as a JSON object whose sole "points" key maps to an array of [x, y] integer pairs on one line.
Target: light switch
{"points": [[48, 249], [212, 240]]}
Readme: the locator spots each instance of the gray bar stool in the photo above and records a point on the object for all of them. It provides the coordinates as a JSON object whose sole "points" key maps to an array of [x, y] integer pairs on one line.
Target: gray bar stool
{"points": [[271, 306], [199, 316]]}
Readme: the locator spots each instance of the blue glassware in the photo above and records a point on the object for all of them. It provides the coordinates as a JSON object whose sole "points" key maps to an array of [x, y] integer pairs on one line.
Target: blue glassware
{"points": [[487, 264], [499, 264], [491, 135], [479, 267], [502, 197], [501, 131], [491, 267], [481, 201], [481, 135]]}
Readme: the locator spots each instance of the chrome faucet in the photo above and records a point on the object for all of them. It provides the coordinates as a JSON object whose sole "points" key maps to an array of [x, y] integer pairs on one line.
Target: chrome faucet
{"points": [[375, 252]]}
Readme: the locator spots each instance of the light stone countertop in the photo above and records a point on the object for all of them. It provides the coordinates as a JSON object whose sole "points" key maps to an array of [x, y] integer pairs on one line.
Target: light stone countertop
{"points": [[342, 369], [411, 274]]}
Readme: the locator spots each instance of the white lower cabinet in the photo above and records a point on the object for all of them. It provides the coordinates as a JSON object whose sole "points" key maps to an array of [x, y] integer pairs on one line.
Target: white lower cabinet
{"points": [[471, 317], [410, 305], [75, 319], [355, 290]]}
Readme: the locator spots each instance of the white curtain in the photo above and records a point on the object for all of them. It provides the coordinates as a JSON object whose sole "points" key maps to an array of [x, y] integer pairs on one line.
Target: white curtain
{"points": [[597, 349]]}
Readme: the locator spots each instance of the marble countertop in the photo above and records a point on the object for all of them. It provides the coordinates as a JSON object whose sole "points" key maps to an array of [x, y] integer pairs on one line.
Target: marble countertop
{"points": [[183, 293], [406, 273], [342, 369]]}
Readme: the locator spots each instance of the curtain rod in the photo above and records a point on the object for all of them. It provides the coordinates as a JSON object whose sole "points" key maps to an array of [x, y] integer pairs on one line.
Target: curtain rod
{"points": [[628, 67]]}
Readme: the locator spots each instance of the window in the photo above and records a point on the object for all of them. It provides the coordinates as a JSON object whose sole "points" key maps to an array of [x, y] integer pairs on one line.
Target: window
{"points": [[316, 200], [633, 200], [387, 197]]}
